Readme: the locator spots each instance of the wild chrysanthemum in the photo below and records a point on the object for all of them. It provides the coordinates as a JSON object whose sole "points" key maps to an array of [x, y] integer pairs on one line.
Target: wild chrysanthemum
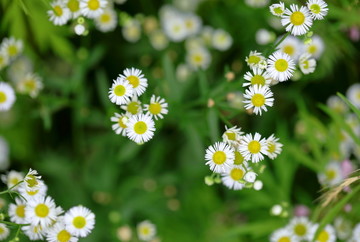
{"points": [[307, 64], [74, 7], [300, 228], [315, 47], [106, 21], [220, 157], [292, 46], [30, 84], [34, 232], [34, 193], [318, 8], [120, 123], [273, 147], [239, 158], [232, 135], [174, 28], [17, 211], [257, 98], [140, 128], [4, 231], [157, 107], [282, 235], [331, 175], [131, 30], [133, 106], [12, 47], [353, 94], [277, 9], [79, 221], [32, 180], [146, 230], [325, 235], [158, 40], [41, 211], [136, 79], [258, 77], [7, 96], [59, 14], [221, 40], [58, 233], [198, 58], [296, 20], [121, 91], [253, 148], [12, 178], [232, 178], [337, 104], [256, 60], [250, 176], [4, 59], [280, 66], [92, 8], [192, 24]]}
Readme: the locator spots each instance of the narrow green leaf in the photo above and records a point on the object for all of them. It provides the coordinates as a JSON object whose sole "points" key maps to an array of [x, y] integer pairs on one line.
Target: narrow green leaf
{"points": [[213, 123]]}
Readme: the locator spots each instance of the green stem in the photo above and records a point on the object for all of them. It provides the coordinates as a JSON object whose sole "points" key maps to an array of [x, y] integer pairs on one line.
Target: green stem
{"points": [[9, 190], [12, 224], [224, 119]]}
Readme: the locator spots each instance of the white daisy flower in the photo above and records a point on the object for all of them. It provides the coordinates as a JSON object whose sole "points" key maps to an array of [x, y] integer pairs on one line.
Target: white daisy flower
{"points": [[307, 64], [34, 232], [106, 21], [264, 37], [41, 211], [121, 91], [4, 59], [353, 94], [343, 228], [292, 46], [132, 107], [318, 8], [300, 227], [17, 211], [258, 77], [140, 128], [12, 178], [297, 21], [274, 147], [74, 7], [257, 98], [79, 221], [146, 230], [7, 96], [34, 193], [315, 47], [221, 40], [220, 157], [30, 84], [174, 28], [337, 104], [183, 72], [92, 8], [192, 24], [277, 9], [158, 40], [194, 43], [131, 30], [233, 177], [59, 14], [198, 58], [326, 235], [32, 180], [12, 47], [58, 233], [157, 107], [356, 233], [332, 174], [250, 176], [255, 60], [136, 79], [282, 235], [4, 231], [280, 66], [4, 154], [18, 67], [253, 148], [232, 135], [120, 123]]}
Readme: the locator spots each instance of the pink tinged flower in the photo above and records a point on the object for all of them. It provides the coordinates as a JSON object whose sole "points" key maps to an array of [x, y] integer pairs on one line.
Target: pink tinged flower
{"points": [[346, 168], [301, 211]]}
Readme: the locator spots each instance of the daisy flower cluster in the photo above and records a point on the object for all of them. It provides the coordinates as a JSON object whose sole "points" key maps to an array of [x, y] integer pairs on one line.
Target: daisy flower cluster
{"points": [[236, 157], [137, 120], [102, 12], [38, 215], [145, 230]]}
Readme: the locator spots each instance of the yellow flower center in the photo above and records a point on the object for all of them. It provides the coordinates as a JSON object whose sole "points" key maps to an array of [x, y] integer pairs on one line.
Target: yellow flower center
{"points": [[63, 236], [289, 49], [133, 107], [258, 80], [93, 4], [20, 211], [312, 49], [258, 100], [32, 182], [284, 239], [79, 222], [73, 5], [278, 10], [305, 64], [315, 8], [140, 127], [230, 135], [236, 174], [121, 123], [155, 108], [119, 90], [330, 174], [253, 59], [42, 210], [145, 230], [323, 236], [32, 193], [300, 229], [3, 97], [105, 18], [239, 159], [297, 18], [219, 157], [30, 85], [134, 81], [189, 24], [254, 146], [13, 50], [14, 180], [58, 10], [271, 147], [281, 65], [198, 59]]}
